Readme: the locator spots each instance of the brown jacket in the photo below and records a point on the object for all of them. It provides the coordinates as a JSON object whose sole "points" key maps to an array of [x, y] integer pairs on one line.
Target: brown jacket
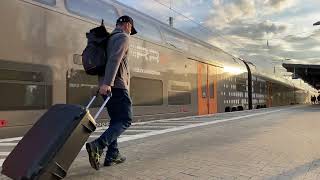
{"points": [[117, 71]]}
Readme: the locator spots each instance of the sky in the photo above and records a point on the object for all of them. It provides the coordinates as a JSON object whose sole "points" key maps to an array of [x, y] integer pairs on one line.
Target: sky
{"points": [[265, 32]]}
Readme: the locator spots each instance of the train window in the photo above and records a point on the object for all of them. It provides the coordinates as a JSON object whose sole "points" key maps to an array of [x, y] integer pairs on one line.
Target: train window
{"points": [[263, 88], [241, 85], [47, 2], [204, 81], [80, 87], [179, 98], [256, 87], [211, 90], [179, 86], [24, 86], [93, 9], [142, 96], [145, 28], [179, 93]]}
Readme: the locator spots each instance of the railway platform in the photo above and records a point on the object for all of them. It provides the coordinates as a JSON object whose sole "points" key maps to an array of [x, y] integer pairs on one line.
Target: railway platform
{"points": [[272, 143]]}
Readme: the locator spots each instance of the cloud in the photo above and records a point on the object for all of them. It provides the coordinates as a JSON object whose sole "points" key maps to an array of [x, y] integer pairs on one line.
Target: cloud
{"points": [[279, 4], [303, 43], [301, 49], [225, 14], [307, 44], [311, 61], [257, 30], [253, 39], [272, 7]]}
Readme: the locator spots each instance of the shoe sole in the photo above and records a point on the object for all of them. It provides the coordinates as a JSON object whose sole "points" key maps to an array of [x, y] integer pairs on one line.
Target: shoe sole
{"points": [[114, 162], [92, 161]]}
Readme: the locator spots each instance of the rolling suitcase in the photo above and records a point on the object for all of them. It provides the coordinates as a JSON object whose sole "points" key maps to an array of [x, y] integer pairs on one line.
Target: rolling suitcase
{"points": [[50, 146]]}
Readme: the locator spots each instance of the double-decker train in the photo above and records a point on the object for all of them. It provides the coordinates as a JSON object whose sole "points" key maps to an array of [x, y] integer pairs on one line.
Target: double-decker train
{"points": [[172, 74]]}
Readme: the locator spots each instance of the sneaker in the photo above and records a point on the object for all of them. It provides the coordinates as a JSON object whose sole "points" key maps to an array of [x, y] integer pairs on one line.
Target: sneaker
{"points": [[94, 155], [109, 161]]}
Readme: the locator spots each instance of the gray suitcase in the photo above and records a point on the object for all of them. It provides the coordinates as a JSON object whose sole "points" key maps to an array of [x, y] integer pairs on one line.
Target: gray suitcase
{"points": [[51, 145]]}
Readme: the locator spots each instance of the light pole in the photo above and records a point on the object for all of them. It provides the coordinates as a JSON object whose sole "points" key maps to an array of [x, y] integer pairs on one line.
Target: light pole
{"points": [[246, 63]]}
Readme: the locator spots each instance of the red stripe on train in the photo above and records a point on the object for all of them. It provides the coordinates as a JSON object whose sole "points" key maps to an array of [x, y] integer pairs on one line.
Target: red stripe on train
{"points": [[3, 123]]}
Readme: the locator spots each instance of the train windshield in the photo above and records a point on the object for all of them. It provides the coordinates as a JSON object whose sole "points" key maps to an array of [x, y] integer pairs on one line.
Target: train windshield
{"points": [[47, 2], [175, 40], [201, 51], [93, 9], [145, 28]]}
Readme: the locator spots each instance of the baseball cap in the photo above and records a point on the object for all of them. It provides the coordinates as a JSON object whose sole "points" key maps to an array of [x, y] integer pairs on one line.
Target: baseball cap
{"points": [[126, 18]]}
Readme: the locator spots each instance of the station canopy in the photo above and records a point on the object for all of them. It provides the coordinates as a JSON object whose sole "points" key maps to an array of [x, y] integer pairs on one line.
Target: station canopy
{"points": [[308, 72]]}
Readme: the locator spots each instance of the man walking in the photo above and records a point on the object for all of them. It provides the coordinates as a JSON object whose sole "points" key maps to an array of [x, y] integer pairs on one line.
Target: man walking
{"points": [[115, 81]]}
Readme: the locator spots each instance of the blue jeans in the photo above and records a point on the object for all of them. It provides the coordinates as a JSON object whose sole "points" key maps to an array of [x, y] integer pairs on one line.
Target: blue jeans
{"points": [[120, 111]]}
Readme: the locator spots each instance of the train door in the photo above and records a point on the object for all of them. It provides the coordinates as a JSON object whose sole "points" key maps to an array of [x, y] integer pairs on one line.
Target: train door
{"points": [[212, 83], [203, 97]]}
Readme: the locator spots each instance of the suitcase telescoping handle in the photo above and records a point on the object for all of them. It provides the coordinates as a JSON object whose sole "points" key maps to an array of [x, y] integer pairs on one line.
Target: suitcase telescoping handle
{"points": [[103, 105]]}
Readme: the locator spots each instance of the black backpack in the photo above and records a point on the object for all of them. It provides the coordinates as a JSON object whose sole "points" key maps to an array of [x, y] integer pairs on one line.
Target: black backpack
{"points": [[94, 56]]}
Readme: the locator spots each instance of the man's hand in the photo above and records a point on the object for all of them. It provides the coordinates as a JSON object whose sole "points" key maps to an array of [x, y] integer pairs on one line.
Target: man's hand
{"points": [[105, 89]]}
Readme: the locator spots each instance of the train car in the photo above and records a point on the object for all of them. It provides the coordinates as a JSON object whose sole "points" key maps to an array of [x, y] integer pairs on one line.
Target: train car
{"points": [[172, 74]]}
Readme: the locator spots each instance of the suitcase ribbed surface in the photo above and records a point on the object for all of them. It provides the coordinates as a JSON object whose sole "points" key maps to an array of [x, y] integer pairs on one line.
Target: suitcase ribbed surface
{"points": [[41, 143]]}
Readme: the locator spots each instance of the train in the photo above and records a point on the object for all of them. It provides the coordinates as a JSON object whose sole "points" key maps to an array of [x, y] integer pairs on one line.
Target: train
{"points": [[173, 74]]}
